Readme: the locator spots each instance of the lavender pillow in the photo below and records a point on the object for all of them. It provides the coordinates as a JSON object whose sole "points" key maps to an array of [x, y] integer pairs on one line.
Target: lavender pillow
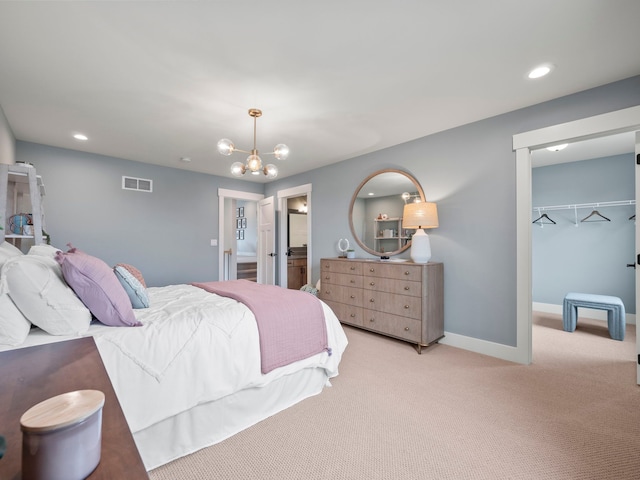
{"points": [[98, 288]]}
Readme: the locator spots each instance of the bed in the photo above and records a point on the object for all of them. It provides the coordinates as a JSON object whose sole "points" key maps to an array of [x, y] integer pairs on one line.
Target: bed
{"points": [[187, 369]]}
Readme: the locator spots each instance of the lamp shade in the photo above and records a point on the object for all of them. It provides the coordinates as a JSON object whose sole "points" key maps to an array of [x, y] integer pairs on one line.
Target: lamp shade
{"points": [[420, 215]]}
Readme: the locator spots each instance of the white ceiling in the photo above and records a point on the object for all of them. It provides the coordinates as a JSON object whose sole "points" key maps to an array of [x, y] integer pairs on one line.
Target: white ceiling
{"points": [[157, 81]]}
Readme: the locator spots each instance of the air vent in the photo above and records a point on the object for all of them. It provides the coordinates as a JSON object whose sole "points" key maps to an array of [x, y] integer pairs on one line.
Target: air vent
{"points": [[138, 184]]}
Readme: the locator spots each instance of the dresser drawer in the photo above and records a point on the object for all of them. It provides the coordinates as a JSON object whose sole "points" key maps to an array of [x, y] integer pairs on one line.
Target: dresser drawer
{"points": [[394, 325], [347, 313], [397, 271], [341, 279], [390, 285], [342, 294], [341, 266], [396, 304]]}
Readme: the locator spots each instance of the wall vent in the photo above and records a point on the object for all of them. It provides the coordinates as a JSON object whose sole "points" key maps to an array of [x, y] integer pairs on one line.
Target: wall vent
{"points": [[138, 184]]}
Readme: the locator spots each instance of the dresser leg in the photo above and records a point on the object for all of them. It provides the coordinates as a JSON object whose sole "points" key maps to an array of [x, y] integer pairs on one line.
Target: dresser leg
{"points": [[419, 349]]}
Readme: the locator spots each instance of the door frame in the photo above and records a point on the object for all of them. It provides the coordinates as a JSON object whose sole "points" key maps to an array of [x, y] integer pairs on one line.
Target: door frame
{"points": [[283, 196], [224, 194], [620, 121]]}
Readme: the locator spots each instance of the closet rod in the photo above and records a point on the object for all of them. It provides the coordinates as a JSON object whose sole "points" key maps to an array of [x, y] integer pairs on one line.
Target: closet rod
{"points": [[619, 203]]}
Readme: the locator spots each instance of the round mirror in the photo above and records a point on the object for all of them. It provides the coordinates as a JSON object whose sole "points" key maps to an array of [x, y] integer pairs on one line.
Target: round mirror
{"points": [[375, 213]]}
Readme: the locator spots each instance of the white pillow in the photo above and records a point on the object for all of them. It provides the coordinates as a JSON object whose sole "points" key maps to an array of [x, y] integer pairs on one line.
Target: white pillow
{"points": [[43, 250], [36, 286], [8, 251], [14, 327]]}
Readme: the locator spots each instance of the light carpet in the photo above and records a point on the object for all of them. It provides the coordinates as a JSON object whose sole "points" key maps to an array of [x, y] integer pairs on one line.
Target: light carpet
{"points": [[451, 414]]}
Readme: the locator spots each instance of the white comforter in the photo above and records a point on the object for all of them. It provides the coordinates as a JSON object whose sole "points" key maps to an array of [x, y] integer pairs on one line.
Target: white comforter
{"points": [[194, 347]]}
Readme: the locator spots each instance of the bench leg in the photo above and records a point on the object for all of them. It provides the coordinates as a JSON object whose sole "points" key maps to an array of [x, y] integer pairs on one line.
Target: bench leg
{"points": [[616, 324], [569, 316]]}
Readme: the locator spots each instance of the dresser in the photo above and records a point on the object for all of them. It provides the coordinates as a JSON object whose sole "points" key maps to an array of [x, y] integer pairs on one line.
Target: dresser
{"points": [[403, 300]]}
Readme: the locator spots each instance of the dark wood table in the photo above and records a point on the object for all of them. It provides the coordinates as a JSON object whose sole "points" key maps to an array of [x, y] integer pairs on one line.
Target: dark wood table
{"points": [[30, 375]]}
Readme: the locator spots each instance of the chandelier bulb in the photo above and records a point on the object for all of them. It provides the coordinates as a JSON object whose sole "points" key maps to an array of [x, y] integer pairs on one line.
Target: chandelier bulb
{"points": [[226, 146], [238, 169], [271, 171], [281, 151], [254, 163]]}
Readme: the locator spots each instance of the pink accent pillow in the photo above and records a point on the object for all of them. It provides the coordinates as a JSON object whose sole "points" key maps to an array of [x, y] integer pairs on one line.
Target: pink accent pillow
{"points": [[97, 286], [133, 271]]}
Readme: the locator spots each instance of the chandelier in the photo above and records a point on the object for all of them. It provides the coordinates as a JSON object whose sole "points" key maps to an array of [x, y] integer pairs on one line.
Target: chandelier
{"points": [[254, 162]]}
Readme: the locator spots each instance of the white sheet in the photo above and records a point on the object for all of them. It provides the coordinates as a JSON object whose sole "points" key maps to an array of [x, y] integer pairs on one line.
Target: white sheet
{"points": [[194, 347]]}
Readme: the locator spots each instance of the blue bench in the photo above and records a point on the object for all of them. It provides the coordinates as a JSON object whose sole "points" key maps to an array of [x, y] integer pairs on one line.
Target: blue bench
{"points": [[613, 305]]}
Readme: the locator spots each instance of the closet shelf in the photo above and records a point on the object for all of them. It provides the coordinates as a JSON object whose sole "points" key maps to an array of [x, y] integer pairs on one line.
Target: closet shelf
{"points": [[619, 203]]}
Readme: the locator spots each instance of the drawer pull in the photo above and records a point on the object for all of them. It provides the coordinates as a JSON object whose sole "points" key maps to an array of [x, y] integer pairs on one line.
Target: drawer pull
{"points": [[407, 288], [328, 292], [353, 315], [407, 307], [372, 320], [371, 300], [353, 296], [352, 281], [406, 329], [372, 270], [372, 283], [327, 277], [353, 268], [407, 273]]}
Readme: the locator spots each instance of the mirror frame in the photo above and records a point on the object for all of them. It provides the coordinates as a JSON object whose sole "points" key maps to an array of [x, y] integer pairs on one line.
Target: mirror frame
{"points": [[353, 201]]}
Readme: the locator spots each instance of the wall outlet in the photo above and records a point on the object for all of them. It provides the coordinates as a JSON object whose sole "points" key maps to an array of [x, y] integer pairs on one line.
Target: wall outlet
{"points": [[214, 242]]}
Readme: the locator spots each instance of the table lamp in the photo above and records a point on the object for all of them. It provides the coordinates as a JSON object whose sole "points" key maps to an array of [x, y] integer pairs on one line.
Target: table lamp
{"points": [[420, 215]]}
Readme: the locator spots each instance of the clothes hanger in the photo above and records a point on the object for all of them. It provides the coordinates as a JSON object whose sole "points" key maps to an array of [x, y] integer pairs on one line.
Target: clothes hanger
{"points": [[541, 220], [595, 212]]}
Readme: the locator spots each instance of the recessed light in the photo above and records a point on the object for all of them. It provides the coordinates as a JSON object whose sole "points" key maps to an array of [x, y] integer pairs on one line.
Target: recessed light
{"points": [[557, 148], [540, 71], [79, 136]]}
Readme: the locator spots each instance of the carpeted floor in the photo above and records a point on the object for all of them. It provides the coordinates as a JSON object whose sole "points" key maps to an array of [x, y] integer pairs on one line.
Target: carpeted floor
{"points": [[451, 414]]}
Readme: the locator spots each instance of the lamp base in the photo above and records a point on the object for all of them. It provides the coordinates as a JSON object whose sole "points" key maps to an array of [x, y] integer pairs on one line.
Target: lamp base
{"points": [[420, 247]]}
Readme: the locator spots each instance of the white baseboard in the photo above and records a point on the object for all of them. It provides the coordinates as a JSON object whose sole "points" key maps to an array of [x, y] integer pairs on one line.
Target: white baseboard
{"points": [[510, 353], [484, 347], [630, 318]]}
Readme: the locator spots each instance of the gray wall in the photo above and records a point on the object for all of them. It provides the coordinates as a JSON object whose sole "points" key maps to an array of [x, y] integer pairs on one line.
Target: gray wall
{"points": [[589, 257], [469, 171], [166, 233]]}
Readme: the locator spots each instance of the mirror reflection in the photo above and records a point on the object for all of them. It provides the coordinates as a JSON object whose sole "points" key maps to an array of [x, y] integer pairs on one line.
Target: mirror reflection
{"points": [[375, 214]]}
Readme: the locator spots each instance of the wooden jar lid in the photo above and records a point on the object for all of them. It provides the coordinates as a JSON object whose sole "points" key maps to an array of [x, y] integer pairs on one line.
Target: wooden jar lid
{"points": [[62, 410]]}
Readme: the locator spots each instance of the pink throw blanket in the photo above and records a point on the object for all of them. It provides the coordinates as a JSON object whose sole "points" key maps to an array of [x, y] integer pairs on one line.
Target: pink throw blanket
{"points": [[291, 323]]}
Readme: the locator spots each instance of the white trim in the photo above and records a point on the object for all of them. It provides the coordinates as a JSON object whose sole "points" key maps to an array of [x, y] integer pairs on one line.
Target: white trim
{"points": [[625, 120], [630, 318], [523, 257], [294, 191], [238, 195], [484, 347]]}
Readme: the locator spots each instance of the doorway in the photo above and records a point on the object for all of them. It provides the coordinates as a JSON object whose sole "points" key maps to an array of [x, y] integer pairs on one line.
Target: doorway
{"points": [[233, 207], [583, 235], [296, 257], [524, 143]]}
